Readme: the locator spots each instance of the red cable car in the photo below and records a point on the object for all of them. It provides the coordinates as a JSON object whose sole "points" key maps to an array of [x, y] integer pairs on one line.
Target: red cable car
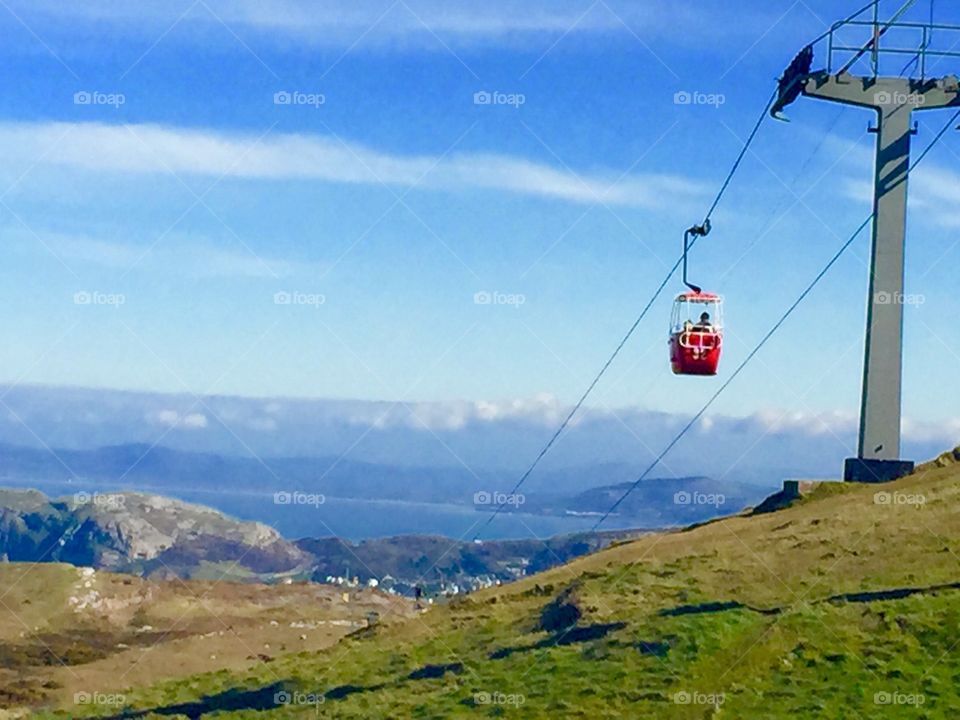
{"points": [[696, 333], [696, 325]]}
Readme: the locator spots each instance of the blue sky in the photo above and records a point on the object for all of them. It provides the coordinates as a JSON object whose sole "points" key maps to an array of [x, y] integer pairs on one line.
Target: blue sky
{"points": [[183, 198]]}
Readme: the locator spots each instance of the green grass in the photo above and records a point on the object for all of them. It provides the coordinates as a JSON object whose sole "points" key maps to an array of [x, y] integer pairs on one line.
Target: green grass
{"points": [[772, 644]]}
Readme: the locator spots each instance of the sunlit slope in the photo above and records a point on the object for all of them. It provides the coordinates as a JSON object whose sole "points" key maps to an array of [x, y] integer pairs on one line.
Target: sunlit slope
{"points": [[845, 605], [68, 632]]}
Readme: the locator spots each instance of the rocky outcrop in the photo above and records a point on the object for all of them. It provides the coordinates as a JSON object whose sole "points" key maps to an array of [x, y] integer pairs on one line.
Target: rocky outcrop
{"points": [[136, 532], [951, 457]]}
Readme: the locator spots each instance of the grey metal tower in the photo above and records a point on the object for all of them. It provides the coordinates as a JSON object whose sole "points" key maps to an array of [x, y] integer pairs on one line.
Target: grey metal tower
{"points": [[893, 98]]}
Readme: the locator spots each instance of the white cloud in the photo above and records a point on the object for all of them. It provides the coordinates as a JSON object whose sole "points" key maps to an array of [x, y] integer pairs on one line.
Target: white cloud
{"points": [[934, 188], [946, 432], [494, 18], [155, 149], [858, 190], [208, 261], [78, 247], [936, 191], [173, 418], [542, 409], [548, 411], [767, 445], [437, 25], [378, 21], [268, 424], [178, 255], [779, 421]]}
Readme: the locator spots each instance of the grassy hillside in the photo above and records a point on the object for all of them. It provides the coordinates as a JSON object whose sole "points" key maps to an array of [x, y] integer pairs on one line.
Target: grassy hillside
{"points": [[68, 632], [845, 605]]}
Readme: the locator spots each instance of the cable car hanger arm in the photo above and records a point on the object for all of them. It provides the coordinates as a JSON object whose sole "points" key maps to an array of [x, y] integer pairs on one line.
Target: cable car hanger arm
{"points": [[697, 231]]}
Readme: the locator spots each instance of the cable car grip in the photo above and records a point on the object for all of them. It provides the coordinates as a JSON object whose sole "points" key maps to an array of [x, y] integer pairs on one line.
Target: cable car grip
{"points": [[693, 232]]}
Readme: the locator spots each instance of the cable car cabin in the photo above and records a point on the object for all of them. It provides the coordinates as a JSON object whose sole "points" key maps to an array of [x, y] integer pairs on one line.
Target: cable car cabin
{"points": [[696, 333]]}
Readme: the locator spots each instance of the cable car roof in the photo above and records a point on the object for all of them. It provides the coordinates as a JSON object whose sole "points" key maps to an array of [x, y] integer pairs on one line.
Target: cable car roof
{"points": [[702, 297]]}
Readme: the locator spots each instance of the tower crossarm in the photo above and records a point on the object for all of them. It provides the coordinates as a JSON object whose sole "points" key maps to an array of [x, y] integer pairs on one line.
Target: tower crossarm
{"points": [[884, 92]]}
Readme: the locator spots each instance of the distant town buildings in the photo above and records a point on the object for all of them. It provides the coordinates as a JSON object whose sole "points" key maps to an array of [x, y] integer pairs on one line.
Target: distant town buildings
{"points": [[460, 585]]}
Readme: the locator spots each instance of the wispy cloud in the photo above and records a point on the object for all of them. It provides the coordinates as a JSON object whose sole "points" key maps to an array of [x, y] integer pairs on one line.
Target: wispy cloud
{"points": [[379, 20], [933, 190], [936, 190], [934, 187], [770, 444], [402, 25], [179, 255], [156, 149], [173, 419]]}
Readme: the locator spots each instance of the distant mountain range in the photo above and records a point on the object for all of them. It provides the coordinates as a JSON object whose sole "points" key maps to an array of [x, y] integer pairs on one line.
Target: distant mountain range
{"points": [[166, 471], [152, 535], [656, 502]]}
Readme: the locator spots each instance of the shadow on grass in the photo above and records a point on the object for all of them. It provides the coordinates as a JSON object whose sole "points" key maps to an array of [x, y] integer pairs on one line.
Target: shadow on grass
{"points": [[265, 698], [277, 695], [569, 636], [433, 672], [271, 697], [708, 608]]}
